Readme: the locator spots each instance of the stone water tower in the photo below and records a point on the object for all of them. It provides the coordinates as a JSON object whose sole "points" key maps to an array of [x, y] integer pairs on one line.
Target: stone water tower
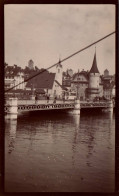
{"points": [[94, 76]]}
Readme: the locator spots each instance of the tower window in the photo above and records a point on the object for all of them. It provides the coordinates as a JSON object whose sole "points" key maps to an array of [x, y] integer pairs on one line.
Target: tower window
{"points": [[58, 70]]}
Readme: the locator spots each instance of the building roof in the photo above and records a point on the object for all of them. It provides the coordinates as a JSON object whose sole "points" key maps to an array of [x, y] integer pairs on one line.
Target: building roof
{"points": [[19, 91], [94, 68], [13, 70], [43, 80], [106, 70], [69, 72], [67, 75], [85, 73], [30, 60]]}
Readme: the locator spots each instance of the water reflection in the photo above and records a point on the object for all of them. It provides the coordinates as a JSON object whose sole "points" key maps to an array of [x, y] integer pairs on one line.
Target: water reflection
{"points": [[12, 134], [76, 122], [63, 151]]}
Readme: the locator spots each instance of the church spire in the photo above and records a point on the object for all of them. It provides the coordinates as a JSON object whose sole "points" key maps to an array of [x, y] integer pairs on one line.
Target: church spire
{"points": [[59, 60], [59, 63], [94, 68]]}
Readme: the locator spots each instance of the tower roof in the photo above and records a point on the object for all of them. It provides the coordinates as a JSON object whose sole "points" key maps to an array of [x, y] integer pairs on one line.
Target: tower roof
{"points": [[94, 68], [59, 64]]}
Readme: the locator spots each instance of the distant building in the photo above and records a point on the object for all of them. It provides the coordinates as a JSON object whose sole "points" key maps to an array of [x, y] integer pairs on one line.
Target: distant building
{"points": [[70, 72], [108, 78], [13, 76], [66, 80], [87, 84], [109, 90], [106, 72], [108, 84], [31, 64], [51, 83], [79, 84]]}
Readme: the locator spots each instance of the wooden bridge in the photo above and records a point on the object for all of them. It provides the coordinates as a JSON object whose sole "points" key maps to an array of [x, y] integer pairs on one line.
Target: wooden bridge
{"points": [[14, 106]]}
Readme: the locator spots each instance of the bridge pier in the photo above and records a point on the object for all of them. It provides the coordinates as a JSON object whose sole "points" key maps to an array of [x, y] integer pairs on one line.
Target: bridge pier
{"points": [[110, 108], [12, 110], [12, 135], [76, 109]]}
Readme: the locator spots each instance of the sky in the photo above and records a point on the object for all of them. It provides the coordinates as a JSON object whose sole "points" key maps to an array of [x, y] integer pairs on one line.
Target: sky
{"points": [[47, 32]]}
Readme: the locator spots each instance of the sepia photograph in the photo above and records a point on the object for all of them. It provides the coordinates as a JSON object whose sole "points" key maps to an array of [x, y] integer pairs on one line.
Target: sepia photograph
{"points": [[59, 88]]}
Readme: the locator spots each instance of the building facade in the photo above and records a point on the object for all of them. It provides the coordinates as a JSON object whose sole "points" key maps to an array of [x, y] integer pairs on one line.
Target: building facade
{"points": [[67, 79], [13, 76], [109, 90], [108, 85], [79, 84], [51, 83], [84, 84]]}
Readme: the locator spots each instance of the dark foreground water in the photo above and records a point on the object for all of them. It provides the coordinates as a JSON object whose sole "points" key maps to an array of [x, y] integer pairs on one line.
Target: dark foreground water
{"points": [[59, 152]]}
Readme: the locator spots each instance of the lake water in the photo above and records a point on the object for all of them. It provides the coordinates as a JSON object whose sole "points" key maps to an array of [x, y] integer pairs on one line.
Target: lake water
{"points": [[60, 152]]}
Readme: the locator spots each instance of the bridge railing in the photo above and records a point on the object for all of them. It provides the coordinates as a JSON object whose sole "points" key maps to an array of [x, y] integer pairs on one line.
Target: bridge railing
{"points": [[31, 102], [51, 101]]}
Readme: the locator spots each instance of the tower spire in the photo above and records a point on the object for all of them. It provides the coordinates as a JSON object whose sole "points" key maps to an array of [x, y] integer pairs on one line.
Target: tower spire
{"points": [[94, 68], [95, 48], [59, 63], [59, 58]]}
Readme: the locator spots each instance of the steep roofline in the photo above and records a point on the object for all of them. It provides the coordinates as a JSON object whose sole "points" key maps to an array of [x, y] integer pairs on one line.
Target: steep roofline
{"points": [[94, 68]]}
